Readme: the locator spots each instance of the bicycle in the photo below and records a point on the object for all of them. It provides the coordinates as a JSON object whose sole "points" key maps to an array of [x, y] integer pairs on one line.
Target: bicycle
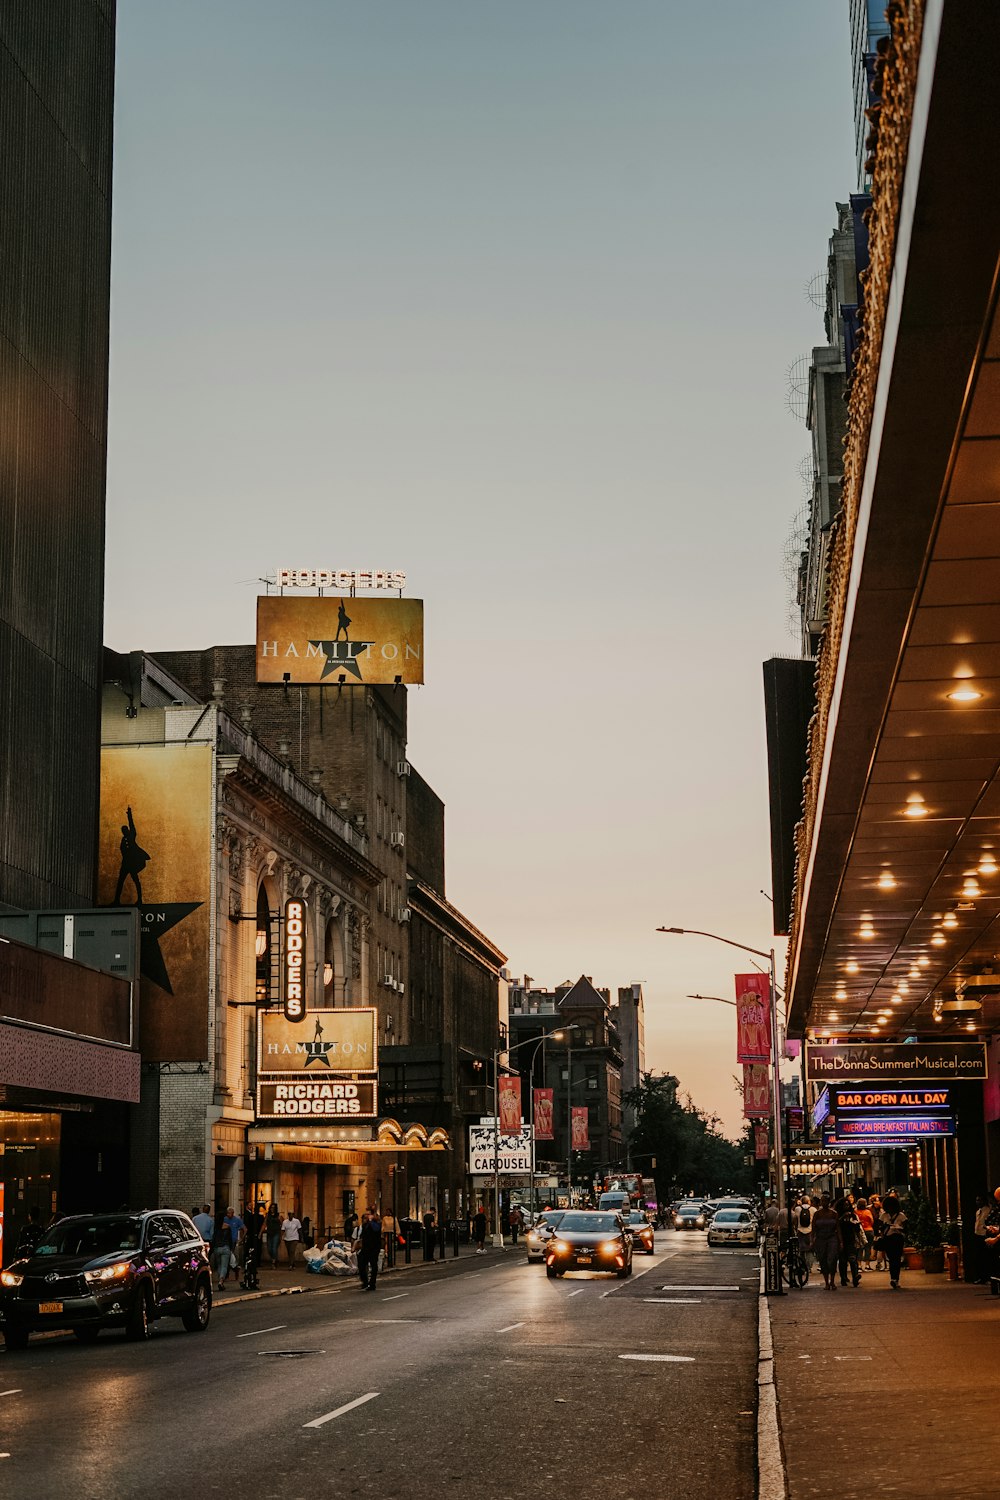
{"points": [[794, 1269]]}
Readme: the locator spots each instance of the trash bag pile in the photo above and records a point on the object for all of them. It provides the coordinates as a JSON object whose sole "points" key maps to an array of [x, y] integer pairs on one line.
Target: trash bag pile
{"points": [[335, 1258]]}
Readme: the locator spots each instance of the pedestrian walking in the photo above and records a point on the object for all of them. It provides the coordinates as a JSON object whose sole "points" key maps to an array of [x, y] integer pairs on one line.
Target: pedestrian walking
{"points": [[850, 1240], [479, 1230], [516, 1224], [369, 1248], [991, 1239], [204, 1222], [803, 1229], [980, 1229], [826, 1240], [893, 1222], [429, 1225], [237, 1228], [291, 1234], [350, 1224], [875, 1204], [220, 1249], [272, 1234], [252, 1248], [867, 1223]]}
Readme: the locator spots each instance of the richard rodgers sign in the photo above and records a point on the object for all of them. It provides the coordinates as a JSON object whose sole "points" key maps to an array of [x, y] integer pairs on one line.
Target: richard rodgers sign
{"points": [[512, 1153]]}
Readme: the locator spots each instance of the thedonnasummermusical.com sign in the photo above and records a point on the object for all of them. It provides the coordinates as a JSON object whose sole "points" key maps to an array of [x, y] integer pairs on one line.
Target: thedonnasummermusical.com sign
{"points": [[862, 1062]]}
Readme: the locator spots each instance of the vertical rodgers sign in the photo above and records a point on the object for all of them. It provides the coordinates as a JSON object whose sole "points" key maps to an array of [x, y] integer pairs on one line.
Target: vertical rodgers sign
{"points": [[335, 639], [325, 1070]]}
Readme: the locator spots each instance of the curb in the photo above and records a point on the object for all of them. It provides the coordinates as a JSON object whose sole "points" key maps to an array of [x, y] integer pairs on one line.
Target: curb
{"points": [[323, 1284], [770, 1463]]}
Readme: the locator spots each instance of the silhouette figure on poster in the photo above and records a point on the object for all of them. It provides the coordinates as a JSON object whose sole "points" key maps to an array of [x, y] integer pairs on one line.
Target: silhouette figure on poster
{"points": [[343, 622], [134, 861]]}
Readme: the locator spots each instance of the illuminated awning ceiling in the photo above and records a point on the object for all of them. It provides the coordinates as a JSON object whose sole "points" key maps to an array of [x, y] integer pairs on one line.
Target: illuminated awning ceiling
{"points": [[898, 883]]}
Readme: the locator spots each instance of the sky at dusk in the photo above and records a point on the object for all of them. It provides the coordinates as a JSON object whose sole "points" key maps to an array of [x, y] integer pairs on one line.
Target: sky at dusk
{"points": [[503, 295]]}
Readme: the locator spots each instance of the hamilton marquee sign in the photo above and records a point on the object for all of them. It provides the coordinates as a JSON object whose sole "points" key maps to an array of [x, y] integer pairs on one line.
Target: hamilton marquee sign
{"points": [[324, 1069], [906, 1062], [314, 641]]}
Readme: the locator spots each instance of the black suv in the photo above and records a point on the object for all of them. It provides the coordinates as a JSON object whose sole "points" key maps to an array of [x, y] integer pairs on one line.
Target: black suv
{"points": [[95, 1271]]}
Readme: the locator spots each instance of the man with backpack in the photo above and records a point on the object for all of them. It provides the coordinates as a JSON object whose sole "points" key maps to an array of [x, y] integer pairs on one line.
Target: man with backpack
{"points": [[802, 1221]]}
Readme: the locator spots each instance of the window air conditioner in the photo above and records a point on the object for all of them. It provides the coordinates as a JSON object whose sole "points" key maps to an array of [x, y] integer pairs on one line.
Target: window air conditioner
{"points": [[404, 913], [398, 841], [402, 768], [388, 981]]}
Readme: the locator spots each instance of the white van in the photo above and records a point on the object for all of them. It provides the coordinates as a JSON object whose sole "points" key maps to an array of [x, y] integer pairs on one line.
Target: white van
{"points": [[616, 1202]]}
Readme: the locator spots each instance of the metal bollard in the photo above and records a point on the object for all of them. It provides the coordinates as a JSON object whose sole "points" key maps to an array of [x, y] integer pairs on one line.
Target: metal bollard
{"points": [[454, 1240], [406, 1251]]}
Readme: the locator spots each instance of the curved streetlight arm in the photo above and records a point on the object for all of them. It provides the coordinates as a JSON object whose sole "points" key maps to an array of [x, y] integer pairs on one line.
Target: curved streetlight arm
{"points": [[694, 932], [712, 997]]}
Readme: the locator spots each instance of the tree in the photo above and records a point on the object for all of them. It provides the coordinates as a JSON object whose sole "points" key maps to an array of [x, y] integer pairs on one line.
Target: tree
{"points": [[692, 1156]]}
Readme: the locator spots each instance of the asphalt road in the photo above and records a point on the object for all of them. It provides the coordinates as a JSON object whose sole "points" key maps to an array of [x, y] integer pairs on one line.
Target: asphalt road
{"points": [[475, 1378]]}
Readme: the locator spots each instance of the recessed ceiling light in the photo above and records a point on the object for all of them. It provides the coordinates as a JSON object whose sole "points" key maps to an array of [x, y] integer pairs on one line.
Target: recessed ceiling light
{"points": [[914, 972], [938, 1016], [903, 987], [923, 962], [938, 940], [896, 1000], [988, 865], [886, 881], [915, 810], [949, 919], [970, 1025], [866, 932], [965, 694], [852, 967]]}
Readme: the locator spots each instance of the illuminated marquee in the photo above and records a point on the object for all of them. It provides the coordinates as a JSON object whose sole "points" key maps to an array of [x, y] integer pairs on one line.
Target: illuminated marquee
{"points": [[293, 998], [340, 578], [319, 1099]]}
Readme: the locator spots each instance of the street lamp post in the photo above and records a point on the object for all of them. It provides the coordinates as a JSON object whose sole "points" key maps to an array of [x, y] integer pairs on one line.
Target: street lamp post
{"points": [[779, 1152], [499, 1052]]}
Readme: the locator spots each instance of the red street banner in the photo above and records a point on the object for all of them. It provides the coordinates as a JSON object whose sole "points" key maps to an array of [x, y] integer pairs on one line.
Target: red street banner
{"points": [[581, 1130], [543, 1115], [761, 1149], [753, 1018], [510, 1106], [756, 1091]]}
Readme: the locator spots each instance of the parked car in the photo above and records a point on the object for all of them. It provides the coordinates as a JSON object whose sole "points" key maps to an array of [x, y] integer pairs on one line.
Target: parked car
{"points": [[94, 1271], [689, 1216], [642, 1231], [733, 1226], [589, 1241], [540, 1233]]}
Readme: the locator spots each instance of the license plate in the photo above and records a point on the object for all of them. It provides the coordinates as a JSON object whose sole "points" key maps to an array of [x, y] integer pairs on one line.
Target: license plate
{"points": [[50, 1307], [584, 1260]]}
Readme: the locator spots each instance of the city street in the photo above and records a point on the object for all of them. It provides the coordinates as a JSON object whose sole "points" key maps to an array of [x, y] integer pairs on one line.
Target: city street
{"points": [[479, 1375]]}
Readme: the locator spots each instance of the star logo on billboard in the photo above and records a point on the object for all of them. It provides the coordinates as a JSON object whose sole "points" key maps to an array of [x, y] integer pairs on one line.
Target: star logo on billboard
{"points": [[341, 656]]}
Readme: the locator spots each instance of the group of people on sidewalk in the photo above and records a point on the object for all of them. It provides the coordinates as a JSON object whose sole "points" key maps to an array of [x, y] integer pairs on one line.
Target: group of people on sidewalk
{"points": [[843, 1234], [238, 1242]]}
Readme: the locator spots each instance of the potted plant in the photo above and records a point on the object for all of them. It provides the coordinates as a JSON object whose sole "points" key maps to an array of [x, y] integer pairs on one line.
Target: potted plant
{"points": [[927, 1237]]}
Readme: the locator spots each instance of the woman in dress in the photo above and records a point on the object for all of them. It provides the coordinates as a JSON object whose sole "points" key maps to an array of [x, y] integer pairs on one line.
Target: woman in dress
{"points": [[826, 1241]]}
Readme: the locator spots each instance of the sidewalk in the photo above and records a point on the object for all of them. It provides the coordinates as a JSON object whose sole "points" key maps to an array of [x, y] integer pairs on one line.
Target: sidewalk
{"points": [[888, 1393], [299, 1280]]}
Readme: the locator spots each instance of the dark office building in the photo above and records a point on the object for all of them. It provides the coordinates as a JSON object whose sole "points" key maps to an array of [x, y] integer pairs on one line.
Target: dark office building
{"points": [[56, 109], [66, 1052]]}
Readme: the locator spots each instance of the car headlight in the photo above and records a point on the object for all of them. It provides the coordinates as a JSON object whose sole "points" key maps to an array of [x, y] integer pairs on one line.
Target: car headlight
{"points": [[11, 1278], [558, 1247], [108, 1273], [532, 1237], [700, 1222], [610, 1247]]}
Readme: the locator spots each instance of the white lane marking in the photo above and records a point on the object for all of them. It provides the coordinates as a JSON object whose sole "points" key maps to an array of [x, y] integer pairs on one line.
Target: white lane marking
{"points": [[340, 1411], [715, 1287], [836, 1356], [676, 1301], [15, 1392], [377, 1322], [510, 1328], [252, 1335], [395, 1296], [577, 1292], [674, 1359]]}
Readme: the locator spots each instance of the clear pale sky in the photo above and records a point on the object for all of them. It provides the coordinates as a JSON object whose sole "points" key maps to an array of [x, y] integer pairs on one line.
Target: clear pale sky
{"points": [[503, 295]]}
